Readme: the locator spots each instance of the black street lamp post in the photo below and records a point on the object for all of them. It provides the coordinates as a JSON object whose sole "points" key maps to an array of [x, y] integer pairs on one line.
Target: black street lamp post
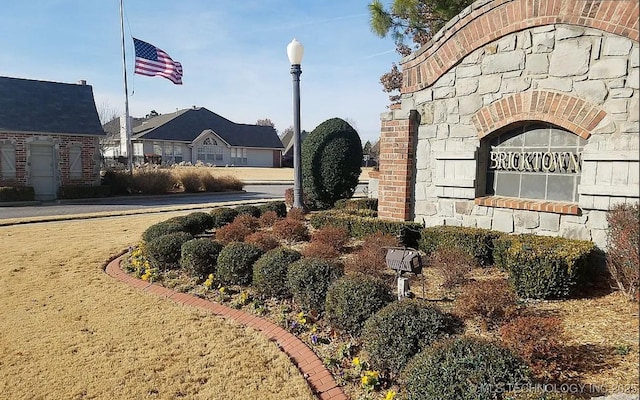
{"points": [[295, 50]]}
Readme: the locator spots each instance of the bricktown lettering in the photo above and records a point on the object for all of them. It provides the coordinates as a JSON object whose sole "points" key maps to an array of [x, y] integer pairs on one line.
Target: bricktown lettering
{"points": [[536, 161]]}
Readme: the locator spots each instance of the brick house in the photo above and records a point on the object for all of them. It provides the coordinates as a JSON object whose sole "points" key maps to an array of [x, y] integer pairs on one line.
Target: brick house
{"points": [[518, 116], [199, 135], [49, 135]]}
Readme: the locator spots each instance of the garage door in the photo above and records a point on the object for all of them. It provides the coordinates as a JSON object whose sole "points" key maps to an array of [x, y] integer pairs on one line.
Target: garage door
{"points": [[42, 171]]}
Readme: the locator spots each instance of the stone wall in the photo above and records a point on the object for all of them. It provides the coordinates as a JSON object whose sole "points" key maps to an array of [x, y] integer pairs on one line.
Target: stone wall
{"points": [[582, 76]]}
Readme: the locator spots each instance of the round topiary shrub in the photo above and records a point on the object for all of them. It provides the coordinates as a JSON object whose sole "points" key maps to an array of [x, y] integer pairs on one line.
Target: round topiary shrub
{"points": [[463, 369], [331, 159], [264, 240], [270, 272], [400, 330], [308, 280], [199, 256], [233, 232], [291, 230], [352, 299], [235, 263], [222, 216], [198, 222], [279, 207], [161, 229], [164, 252], [248, 209]]}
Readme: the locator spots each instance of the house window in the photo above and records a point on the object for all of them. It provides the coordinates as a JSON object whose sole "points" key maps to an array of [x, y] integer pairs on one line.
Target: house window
{"points": [[238, 156], [209, 151], [75, 162], [8, 161], [138, 149], [157, 148], [177, 153]]}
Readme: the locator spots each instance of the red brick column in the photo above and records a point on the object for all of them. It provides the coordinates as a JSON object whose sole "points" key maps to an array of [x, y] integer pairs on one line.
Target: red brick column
{"points": [[397, 165]]}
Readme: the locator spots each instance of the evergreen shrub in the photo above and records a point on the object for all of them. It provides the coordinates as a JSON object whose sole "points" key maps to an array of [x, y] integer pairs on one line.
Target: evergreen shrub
{"points": [[248, 209], [222, 216], [309, 279], [235, 263], [161, 229], [464, 368], [270, 272], [400, 330], [476, 242], [279, 207], [352, 299], [542, 267], [331, 160], [199, 256], [164, 252]]}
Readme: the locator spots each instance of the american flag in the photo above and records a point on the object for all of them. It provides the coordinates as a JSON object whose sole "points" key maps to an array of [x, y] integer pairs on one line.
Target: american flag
{"points": [[151, 61]]}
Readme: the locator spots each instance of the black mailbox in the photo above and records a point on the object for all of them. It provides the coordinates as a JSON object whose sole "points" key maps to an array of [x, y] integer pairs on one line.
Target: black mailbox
{"points": [[404, 259]]}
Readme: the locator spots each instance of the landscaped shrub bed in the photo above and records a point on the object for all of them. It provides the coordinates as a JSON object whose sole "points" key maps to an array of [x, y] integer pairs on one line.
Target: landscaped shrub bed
{"points": [[372, 343], [476, 242], [359, 227], [16, 193], [541, 267]]}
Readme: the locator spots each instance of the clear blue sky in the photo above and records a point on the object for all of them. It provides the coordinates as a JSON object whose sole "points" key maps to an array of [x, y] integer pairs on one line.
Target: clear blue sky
{"points": [[233, 54]]}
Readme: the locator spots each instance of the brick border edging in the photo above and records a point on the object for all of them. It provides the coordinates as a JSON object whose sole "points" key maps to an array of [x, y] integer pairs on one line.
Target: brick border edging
{"points": [[320, 380]]}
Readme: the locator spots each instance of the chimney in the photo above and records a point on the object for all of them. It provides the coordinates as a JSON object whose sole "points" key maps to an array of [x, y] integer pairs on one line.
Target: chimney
{"points": [[82, 82]]}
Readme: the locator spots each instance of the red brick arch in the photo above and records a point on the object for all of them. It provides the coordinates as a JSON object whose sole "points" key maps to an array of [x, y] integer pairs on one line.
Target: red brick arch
{"points": [[498, 18], [572, 113]]}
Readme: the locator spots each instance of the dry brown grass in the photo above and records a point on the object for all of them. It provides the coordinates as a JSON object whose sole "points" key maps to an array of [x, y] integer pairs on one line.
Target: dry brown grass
{"points": [[69, 331], [259, 174]]}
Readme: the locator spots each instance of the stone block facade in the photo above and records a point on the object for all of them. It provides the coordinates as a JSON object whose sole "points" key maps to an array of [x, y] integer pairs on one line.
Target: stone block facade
{"points": [[558, 65]]}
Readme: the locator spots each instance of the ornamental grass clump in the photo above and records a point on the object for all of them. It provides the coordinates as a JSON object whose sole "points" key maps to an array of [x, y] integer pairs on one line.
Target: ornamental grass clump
{"points": [[191, 181], [463, 369], [352, 299], [270, 272], [400, 330], [309, 279], [235, 263], [164, 252], [199, 256]]}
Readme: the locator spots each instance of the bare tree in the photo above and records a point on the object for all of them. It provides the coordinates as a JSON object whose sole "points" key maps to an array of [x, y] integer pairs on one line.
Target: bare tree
{"points": [[265, 122], [109, 118]]}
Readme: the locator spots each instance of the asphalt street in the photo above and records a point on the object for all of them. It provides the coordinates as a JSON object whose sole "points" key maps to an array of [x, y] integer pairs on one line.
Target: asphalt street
{"points": [[252, 192]]}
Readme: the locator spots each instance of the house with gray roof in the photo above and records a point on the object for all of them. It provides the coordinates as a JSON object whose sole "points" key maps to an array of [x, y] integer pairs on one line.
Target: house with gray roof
{"points": [[49, 135], [199, 135]]}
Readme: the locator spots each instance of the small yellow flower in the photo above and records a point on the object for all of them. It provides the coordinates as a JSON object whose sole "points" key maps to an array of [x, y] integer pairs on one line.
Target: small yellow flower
{"points": [[222, 290], [356, 361], [390, 395]]}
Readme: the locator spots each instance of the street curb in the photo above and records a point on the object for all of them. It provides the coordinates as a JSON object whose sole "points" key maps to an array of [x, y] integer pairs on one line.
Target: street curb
{"points": [[319, 378]]}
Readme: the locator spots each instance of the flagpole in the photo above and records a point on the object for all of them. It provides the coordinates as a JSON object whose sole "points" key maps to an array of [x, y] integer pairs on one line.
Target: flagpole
{"points": [[127, 125]]}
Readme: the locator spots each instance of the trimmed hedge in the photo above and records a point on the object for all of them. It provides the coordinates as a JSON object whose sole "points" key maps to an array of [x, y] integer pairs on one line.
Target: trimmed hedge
{"points": [[331, 159], [463, 369], [476, 242], [222, 216], [270, 272], [542, 267], [235, 263], [248, 209], [352, 299], [162, 228], [17, 193], [83, 192], [278, 206], [164, 252], [359, 227], [199, 256], [357, 204], [194, 223], [400, 330], [309, 279]]}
